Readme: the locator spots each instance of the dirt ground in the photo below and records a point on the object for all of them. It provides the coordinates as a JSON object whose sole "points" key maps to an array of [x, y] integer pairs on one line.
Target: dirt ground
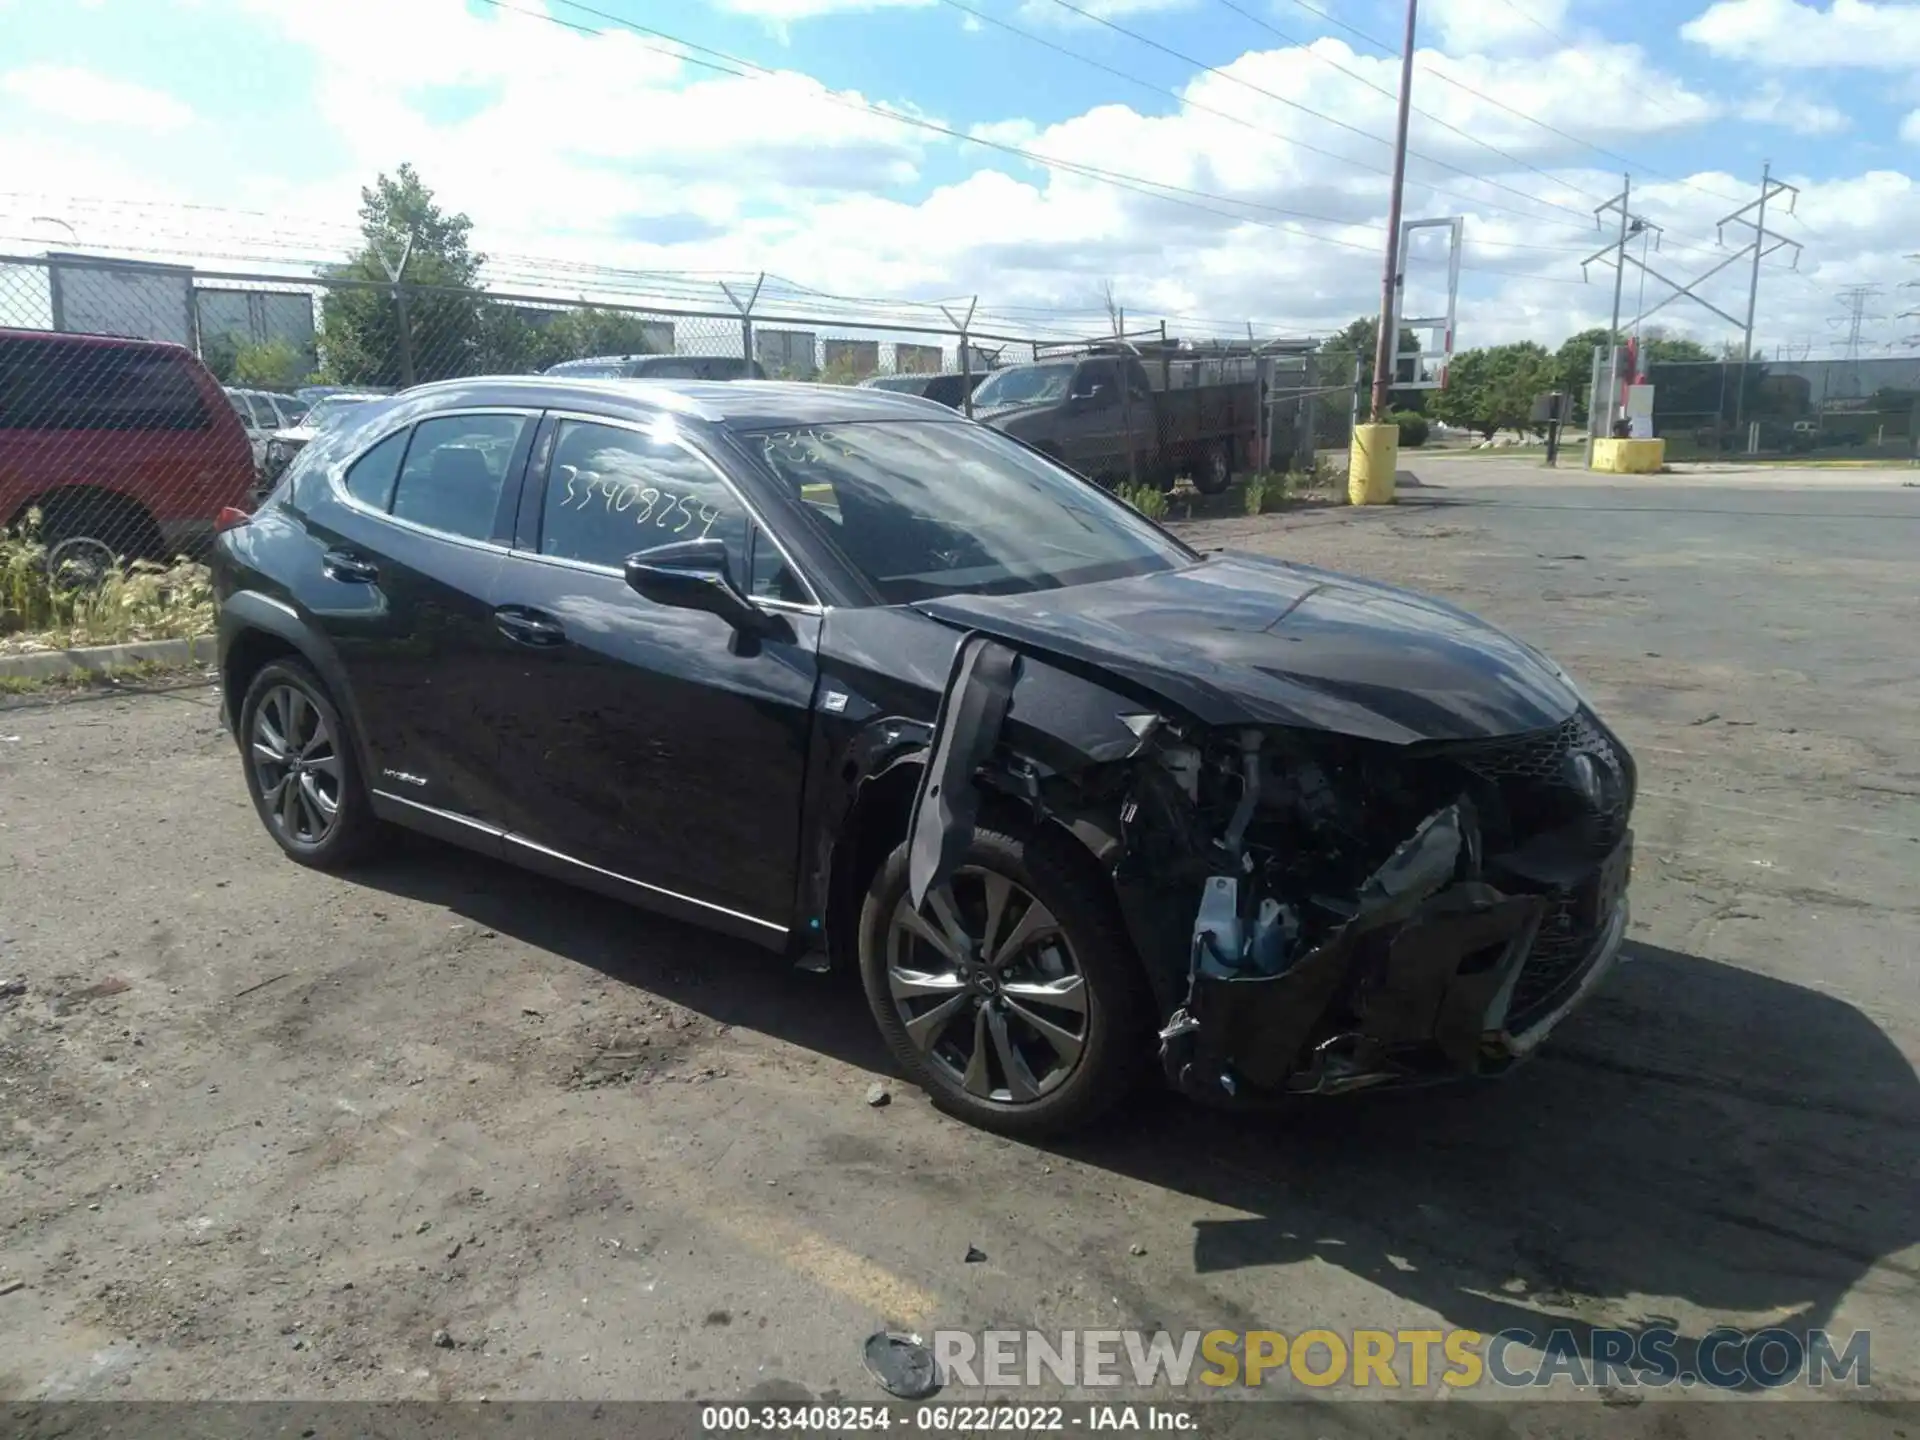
{"points": [[443, 1130]]}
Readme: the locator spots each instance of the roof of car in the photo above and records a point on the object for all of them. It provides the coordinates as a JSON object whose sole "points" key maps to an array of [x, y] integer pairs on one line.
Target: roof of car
{"points": [[735, 404]]}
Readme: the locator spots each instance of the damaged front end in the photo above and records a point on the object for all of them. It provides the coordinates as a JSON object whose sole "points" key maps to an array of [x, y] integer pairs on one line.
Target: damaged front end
{"points": [[1320, 913], [1375, 916]]}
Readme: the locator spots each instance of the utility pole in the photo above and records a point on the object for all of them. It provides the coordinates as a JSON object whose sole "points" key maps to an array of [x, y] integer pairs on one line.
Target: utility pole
{"points": [[1769, 188], [1630, 226], [1389, 282]]}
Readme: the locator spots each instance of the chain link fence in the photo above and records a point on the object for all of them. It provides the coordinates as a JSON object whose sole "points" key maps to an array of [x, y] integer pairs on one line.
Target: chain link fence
{"points": [[1818, 409], [138, 400]]}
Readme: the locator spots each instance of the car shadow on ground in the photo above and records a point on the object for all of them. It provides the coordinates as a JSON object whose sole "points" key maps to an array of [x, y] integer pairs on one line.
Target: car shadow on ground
{"points": [[1701, 1131], [1742, 1144]]}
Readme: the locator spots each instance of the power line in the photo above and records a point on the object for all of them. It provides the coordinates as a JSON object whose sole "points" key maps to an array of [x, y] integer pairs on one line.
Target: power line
{"points": [[1152, 189], [1461, 85], [1189, 102], [1305, 109], [1307, 49]]}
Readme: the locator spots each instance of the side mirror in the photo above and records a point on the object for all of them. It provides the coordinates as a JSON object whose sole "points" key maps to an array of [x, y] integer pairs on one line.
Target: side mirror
{"points": [[694, 575], [1089, 399]]}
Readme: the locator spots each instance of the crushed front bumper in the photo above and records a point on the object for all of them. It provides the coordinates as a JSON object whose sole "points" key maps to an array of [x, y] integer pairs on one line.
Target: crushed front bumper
{"points": [[1423, 996]]}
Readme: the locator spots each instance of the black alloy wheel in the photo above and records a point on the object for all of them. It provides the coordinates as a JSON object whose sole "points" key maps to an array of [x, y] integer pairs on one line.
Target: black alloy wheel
{"points": [[1012, 994], [301, 770]]}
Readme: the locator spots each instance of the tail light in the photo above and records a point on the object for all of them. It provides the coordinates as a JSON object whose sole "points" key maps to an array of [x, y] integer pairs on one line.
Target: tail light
{"points": [[229, 518]]}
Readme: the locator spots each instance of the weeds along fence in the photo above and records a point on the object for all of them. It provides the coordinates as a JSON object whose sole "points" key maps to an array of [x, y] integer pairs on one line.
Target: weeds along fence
{"points": [[123, 447]]}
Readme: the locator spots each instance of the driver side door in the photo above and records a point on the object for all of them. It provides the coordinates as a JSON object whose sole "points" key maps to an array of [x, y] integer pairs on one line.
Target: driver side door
{"points": [[649, 751], [1092, 437]]}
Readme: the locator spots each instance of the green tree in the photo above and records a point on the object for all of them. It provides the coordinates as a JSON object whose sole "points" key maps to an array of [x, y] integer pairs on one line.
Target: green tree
{"points": [[269, 365], [1494, 389], [1356, 342], [219, 352], [592, 330], [360, 324], [1674, 350]]}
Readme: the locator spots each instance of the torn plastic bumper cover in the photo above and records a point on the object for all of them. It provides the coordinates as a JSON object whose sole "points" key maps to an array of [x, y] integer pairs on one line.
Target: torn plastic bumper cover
{"points": [[1417, 985]]}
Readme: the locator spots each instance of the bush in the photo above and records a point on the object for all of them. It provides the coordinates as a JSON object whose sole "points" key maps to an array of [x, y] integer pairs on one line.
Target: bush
{"points": [[1413, 428], [1267, 492], [143, 602], [1149, 500]]}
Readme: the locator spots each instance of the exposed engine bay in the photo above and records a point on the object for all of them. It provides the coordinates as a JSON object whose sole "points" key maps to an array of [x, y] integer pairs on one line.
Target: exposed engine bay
{"points": [[1318, 912]]}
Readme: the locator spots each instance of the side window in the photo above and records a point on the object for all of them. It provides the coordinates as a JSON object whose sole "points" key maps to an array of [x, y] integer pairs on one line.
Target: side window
{"points": [[772, 577], [370, 478], [454, 472], [1098, 373], [1138, 387], [612, 493]]}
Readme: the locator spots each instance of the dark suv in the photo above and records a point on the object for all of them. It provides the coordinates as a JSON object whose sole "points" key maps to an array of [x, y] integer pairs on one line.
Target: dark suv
{"points": [[848, 676]]}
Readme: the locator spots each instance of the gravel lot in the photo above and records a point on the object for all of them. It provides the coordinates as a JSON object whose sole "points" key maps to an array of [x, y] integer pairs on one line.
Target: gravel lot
{"points": [[264, 1132]]}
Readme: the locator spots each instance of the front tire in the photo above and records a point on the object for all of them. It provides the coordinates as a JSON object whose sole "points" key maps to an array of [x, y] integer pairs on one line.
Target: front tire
{"points": [[1012, 996], [301, 769]]}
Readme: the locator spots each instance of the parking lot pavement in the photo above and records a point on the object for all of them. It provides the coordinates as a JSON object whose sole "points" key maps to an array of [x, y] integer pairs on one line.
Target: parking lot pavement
{"points": [[267, 1131]]}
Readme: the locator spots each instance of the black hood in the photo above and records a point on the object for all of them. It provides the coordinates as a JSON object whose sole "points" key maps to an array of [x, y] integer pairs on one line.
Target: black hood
{"points": [[1242, 640]]}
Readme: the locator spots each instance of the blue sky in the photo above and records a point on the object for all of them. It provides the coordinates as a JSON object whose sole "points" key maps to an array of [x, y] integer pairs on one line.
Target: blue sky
{"points": [[150, 122]]}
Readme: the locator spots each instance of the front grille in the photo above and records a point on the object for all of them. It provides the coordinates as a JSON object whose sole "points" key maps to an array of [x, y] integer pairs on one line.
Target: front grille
{"points": [[1530, 775], [1536, 797], [1558, 949]]}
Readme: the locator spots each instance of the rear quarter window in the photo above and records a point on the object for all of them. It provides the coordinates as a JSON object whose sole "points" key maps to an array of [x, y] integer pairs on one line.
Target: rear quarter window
{"points": [[59, 385]]}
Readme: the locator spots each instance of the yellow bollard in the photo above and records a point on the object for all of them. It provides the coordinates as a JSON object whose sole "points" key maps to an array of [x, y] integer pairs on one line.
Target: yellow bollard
{"points": [[1371, 463]]}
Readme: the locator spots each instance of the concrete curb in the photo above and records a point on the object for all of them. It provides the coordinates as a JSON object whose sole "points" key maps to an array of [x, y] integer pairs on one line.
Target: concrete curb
{"points": [[95, 659]]}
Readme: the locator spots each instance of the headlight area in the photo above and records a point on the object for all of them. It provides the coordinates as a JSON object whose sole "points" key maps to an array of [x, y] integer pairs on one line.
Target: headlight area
{"points": [[1363, 915]]}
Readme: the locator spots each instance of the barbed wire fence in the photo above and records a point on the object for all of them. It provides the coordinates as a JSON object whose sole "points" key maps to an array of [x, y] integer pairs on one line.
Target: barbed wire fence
{"points": [[122, 447]]}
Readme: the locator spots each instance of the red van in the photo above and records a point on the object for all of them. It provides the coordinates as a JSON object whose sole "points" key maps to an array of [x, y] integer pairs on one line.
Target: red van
{"points": [[123, 445]]}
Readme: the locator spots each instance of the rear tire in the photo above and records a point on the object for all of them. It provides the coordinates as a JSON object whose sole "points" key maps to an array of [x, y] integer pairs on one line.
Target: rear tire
{"points": [[1214, 473], [92, 523], [302, 770], [1073, 985]]}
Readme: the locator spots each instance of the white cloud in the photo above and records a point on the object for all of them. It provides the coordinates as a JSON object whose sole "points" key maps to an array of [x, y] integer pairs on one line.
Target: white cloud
{"points": [[1773, 104], [1789, 35], [1098, 9], [86, 97], [644, 162], [1487, 26], [1910, 128]]}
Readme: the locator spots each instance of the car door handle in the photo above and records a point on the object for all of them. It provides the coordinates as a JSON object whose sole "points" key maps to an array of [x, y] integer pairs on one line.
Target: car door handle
{"points": [[527, 629], [346, 566]]}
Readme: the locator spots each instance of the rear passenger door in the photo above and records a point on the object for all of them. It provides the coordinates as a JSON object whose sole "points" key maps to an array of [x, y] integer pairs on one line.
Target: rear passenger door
{"points": [[408, 540]]}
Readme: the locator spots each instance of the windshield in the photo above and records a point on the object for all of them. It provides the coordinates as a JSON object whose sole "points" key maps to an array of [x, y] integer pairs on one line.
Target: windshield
{"points": [[1024, 385], [930, 508]]}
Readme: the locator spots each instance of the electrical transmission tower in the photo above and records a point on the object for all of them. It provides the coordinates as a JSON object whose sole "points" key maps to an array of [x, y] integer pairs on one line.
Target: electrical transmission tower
{"points": [[1855, 299]]}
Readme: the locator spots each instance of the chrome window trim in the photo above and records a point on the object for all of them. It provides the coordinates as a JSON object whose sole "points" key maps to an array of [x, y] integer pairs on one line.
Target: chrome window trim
{"points": [[337, 474], [640, 427]]}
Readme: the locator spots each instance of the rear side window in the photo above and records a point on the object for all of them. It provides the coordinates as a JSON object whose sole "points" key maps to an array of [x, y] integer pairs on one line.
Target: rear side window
{"points": [[370, 478], [454, 471], [58, 385]]}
